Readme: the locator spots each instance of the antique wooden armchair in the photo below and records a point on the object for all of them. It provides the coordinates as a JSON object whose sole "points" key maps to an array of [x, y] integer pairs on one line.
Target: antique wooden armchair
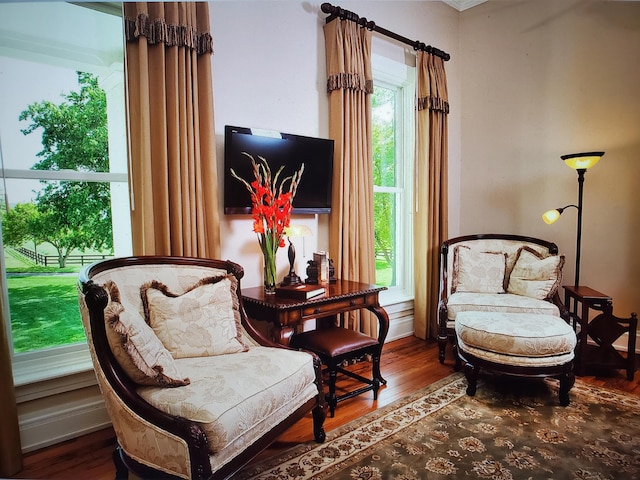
{"points": [[192, 388]]}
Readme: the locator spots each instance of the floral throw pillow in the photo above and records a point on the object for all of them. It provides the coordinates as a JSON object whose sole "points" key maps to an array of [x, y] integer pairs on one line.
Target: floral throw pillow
{"points": [[203, 321], [478, 272], [534, 276], [136, 347]]}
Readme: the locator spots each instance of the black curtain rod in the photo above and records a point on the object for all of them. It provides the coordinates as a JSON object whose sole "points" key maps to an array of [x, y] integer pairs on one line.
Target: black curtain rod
{"points": [[337, 12]]}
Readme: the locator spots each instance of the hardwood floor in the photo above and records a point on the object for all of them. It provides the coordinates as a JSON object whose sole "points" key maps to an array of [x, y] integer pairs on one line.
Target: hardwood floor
{"points": [[407, 364]]}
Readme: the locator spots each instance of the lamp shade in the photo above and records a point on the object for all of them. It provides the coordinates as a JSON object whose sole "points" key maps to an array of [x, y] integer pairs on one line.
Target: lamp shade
{"points": [[298, 231], [550, 216], [582, 161]]}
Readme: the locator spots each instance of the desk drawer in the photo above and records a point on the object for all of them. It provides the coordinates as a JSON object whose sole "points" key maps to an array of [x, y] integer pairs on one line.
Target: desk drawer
{"points": [[334, 307]]}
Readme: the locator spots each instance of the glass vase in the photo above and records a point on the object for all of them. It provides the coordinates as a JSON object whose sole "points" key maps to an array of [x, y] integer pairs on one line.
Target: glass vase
{"points": [[269, 272]]}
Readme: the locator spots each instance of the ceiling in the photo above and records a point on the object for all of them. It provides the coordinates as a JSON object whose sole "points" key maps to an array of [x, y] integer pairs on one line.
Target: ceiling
{"points": [[462, 5]]}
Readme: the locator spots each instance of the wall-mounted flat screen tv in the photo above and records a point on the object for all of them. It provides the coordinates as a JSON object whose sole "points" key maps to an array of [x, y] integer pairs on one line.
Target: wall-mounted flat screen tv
{"points": [[279, 149]]}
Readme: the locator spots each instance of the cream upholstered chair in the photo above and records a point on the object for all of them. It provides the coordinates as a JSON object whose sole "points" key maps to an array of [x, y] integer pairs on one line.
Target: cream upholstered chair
{"points": [[192, 388], [477, 274], [499, 305]]}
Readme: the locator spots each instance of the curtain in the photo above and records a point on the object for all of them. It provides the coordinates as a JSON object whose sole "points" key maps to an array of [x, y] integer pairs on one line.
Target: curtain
{"points": [[173, 173], [10, 445], [431, 192], [349, 85]]}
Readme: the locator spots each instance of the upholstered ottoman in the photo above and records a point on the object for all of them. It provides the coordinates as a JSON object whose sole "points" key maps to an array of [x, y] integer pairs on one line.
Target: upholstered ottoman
{"points": [[520, 344]]}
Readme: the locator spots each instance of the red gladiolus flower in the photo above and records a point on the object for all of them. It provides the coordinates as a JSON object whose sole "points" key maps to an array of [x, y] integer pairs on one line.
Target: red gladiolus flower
{"points": [[271, 199]]}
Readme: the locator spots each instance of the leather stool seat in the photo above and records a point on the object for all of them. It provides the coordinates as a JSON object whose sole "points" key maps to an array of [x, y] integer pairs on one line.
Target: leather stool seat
{"points": [[334, 345]]}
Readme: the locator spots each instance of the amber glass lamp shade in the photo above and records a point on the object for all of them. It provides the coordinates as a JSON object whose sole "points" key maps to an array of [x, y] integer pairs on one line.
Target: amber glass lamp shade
{"points": [[582, 161], [550, 216]]}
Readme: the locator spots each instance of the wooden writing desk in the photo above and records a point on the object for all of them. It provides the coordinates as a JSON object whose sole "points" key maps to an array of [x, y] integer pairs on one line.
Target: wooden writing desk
{"points": [[287, 313]]}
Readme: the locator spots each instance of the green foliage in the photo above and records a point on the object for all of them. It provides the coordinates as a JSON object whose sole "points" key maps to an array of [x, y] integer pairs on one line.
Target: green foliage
{"points": [[19, 225], [74, 132], [384, 174], [72, 215]]}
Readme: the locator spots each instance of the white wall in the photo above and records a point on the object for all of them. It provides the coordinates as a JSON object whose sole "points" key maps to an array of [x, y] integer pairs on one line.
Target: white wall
{"points": [[542, 79], [269, 72]]}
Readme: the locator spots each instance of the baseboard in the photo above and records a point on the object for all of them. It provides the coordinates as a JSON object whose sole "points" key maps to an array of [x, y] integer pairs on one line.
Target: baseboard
{"points": [[44, 427], [400, 327]]}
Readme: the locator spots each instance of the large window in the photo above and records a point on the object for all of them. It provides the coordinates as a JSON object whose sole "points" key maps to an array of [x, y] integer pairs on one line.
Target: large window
{"points": [[64, 174], [392, 132]]}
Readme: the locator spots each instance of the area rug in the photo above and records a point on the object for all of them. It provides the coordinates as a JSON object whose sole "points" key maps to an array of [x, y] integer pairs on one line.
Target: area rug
{"points": [[511, 429]]}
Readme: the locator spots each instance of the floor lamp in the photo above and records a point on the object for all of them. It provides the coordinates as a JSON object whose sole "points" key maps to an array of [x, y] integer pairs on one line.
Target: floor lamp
{"points": [[580, 162]]}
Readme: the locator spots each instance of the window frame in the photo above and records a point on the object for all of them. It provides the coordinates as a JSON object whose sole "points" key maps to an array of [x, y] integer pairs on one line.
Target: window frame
{"points": [[400, 77], [45, 372], [62, 360]]}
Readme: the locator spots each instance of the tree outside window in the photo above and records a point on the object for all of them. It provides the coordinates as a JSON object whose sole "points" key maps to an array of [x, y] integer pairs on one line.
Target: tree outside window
{"points": [[67, 219]]}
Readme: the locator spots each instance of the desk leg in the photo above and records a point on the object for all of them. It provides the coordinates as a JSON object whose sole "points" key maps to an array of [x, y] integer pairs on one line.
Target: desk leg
{"points": [[383, 329], [282, 334]]}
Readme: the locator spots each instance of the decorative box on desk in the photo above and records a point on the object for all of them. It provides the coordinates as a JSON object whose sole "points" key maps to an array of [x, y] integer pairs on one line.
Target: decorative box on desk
{"points": [[603, 330], [286, 313]]}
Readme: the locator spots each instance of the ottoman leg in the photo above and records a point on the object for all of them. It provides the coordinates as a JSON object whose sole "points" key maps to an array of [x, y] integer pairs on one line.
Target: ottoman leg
{"points": [[471, 373], [458, 364], [566, 382]]}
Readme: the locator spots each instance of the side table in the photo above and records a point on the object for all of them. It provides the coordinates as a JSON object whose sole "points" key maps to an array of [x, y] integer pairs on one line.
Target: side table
{"points": [[604, 330], [342, 296]]}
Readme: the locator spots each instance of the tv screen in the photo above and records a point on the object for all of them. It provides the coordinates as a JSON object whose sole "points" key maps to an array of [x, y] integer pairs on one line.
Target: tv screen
{"points": [[279, 149]]}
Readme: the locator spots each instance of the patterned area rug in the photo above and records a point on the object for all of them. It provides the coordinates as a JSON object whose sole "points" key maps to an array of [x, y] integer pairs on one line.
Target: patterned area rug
{"points": [[511, 429]]}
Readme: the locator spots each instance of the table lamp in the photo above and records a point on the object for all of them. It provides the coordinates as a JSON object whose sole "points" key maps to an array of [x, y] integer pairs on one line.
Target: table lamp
{"points": [[294, 231]]}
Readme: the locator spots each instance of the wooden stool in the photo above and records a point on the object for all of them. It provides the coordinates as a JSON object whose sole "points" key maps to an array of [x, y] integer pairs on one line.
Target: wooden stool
{"points": [[334, 345]]}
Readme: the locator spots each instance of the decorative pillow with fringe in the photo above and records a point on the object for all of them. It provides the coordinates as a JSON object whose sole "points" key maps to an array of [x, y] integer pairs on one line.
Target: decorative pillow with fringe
{"points": [[203, 321], [136, 347], [478, 272], [534, 276]]}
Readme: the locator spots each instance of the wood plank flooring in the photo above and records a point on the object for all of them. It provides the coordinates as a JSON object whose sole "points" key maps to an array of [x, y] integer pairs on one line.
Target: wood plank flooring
{"points": [[407, 364]]}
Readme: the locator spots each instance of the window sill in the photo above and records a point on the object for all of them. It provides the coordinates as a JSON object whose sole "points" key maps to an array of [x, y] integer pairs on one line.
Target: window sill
{"points": [[45, 373]]}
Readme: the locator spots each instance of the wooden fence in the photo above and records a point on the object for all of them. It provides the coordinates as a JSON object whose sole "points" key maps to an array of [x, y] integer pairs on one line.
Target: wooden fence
{"points": [[52, 260]]}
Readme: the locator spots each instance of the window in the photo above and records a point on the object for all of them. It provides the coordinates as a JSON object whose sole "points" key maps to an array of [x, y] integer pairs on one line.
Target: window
{"points": [[81, 57], [392, 133]]}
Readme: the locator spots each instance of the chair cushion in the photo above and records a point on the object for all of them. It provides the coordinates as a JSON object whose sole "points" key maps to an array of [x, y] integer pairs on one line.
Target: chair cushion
{"points": [[136, 347], [493, 302], [478, 271], [516, 334], [239, 397], [535, 276], [201, 321], [333, 341]]}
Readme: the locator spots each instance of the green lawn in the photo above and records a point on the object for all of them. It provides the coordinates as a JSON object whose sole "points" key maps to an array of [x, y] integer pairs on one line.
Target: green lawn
{"points": [[44, 311], [43, 303], [383, 273]]}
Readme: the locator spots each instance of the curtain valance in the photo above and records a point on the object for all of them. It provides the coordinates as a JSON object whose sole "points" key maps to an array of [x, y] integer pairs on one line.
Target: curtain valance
{"points": [[156, 29], [432, 84], [348, 61], [349, 81]]}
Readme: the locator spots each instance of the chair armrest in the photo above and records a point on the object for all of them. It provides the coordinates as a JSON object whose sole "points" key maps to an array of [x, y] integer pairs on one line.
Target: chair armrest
{"points": [[96, 300], [564, 311]]}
